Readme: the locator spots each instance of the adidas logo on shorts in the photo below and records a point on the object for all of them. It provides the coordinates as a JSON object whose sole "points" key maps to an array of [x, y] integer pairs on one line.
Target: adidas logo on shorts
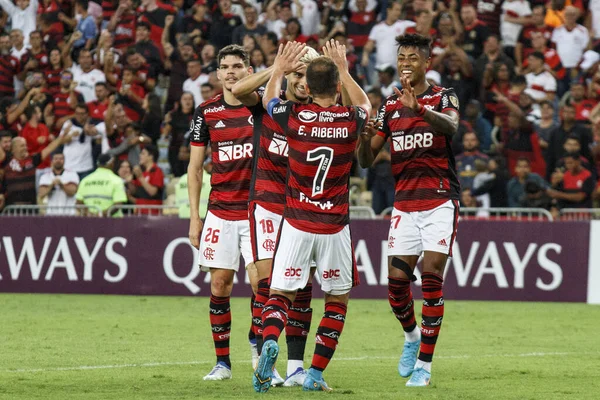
{"points": [[442, 243]]}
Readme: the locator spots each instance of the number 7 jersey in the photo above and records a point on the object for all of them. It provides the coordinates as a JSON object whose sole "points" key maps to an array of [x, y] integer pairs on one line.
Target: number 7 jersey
{"points": [[322, 143]]}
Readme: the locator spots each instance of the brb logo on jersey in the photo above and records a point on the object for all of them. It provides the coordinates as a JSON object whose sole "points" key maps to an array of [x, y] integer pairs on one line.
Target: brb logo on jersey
{"points": [[230, 152], [307, 116], [402, 142]]}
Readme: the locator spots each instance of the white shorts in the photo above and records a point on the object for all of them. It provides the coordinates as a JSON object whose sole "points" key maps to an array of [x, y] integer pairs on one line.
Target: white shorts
{"points": [[411, 233], [333, 255], [264, 227], [222, 241]]}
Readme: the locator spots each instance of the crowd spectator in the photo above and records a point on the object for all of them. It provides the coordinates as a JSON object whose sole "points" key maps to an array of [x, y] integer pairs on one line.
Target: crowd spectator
{"points": [[574, 188], [517, 184], [77, 134], [102, 190], [22, 14], [148, 180], [59, 186], [465, 161]]}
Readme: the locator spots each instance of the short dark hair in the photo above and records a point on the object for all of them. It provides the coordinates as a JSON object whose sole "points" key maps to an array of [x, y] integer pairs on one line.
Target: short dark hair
{"points": [[421, 42], [6, 133], [272, 37], [518, 80], [391, 4], [375, 91], [101, 84], [143, 25], [234, 50], [206, 84], [153, 151], [135, 126], [547, 103], [538, 54], [82, 105], [575, 155], [29, 111], [322, 77], [83, 3], [525, 159]]}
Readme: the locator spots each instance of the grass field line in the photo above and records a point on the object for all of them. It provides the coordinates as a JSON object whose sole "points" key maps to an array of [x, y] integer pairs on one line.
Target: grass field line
{"points": [[341, 359]]}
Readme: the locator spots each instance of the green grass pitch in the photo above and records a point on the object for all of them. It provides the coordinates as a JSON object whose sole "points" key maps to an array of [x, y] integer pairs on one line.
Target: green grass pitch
{"points": [[126, 347]]}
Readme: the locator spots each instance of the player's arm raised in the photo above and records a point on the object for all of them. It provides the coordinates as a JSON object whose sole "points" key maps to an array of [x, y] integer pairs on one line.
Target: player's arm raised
{"points": [[369, 144], [288, 59], [357, 96], [444, 122], [245, 90]]}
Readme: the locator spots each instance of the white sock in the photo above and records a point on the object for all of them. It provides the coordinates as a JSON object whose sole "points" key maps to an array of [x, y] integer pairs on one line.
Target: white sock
{"points": [[293, 365], [422, 364], [413, 335]]}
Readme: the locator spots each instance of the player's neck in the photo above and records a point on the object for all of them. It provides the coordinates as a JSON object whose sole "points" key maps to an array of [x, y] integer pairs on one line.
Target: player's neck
{"points": [[324, 101], [230, 98], [421, 87]]}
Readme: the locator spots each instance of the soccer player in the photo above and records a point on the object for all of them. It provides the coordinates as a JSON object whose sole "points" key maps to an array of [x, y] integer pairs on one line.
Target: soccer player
{"points": [[420, 120], [227, 125], [322, 138], [267, 199]]}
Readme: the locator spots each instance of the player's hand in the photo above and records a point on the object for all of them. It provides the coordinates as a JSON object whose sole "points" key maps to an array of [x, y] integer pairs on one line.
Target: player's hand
{"points": [[195, 230], [288, 57], [407, 96], [337, 52], [370, 130], [169, 20]]}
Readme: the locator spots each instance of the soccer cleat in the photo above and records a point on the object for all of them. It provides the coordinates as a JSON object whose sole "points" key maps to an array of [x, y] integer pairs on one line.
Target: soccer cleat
{"points": [[220, 372], [408, 358], [420, 377], [276, 379], [295, 379], [262, 378], [254, 353], [315, 383]]}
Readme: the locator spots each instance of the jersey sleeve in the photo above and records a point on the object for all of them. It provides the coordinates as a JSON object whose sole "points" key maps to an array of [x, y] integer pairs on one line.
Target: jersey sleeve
{"points": [[157, 178], [449, 101], [198, 129], [45, 180], [280, 112], [384, 131], [361, 119], [588, 186]]}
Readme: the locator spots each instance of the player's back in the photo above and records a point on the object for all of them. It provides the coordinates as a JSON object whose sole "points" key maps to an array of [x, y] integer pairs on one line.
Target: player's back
{"points": [[423, 164], [321, 144]]}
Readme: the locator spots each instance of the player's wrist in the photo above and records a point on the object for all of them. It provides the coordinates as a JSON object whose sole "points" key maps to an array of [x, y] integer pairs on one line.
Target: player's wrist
{"points": [[420, 110]]}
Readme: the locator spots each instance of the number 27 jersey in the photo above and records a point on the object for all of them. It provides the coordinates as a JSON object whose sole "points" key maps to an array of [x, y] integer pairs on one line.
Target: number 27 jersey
{"points": [[321, 144]]}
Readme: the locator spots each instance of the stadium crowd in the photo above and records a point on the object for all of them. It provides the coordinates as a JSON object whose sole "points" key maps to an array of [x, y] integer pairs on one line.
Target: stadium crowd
{"points": [[83, 83]]}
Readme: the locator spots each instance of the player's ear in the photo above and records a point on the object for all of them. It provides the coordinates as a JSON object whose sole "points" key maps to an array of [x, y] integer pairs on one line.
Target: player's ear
{"points": [[308, 90], [250, 70]]}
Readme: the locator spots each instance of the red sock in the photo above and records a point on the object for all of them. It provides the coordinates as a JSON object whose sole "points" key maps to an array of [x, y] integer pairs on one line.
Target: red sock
{"points": [[298, 325], [433, 313], [220, 322], [262, 296], [401, 300], [328, 334], [274, 316]]}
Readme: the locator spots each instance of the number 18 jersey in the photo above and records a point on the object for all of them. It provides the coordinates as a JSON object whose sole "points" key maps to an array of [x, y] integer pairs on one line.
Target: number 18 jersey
{"points": [[321, 142]]}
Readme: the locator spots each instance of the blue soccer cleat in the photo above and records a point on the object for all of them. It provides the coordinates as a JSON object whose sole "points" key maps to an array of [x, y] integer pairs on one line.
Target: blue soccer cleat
{"points": [[263, 374], [408, 359], [420, 377], [314, 382]]}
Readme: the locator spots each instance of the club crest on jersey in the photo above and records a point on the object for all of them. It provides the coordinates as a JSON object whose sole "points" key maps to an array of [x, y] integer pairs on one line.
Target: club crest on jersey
{"points": [[279, 147], [454, 101], [307, 116]]}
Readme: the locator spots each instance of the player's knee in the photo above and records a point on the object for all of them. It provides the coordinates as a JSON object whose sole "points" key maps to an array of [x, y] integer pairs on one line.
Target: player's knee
{"points": [[337, 298], [399, 268], [263, 268], [434, 262], [220, 286]]}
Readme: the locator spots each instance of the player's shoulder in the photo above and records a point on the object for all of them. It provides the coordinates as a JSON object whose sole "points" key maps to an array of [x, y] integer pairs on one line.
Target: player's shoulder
{"points": [[210, 104], [391, 100]]}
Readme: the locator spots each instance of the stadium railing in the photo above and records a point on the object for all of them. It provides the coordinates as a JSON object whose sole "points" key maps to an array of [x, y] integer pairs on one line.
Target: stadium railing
{"points": [[506, 213], [50, 211], [132, 210], [579, 214], [362, 212]]}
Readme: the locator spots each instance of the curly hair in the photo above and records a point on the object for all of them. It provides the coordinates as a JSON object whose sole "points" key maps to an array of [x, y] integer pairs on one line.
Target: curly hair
{"points": [[421, 42]]}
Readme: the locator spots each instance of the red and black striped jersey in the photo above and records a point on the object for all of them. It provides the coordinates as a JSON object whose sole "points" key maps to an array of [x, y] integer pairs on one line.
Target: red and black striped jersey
{"points": [[41, 57], [9, 68], [156, 19], [125, 31], [269, 171], [321, 144], [229, 130], [359, 26], [109, 8], [422, 160], [63, 106], [53, 80], [488, 12]]}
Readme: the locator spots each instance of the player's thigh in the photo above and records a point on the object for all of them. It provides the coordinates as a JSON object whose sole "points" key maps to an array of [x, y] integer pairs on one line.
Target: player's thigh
{"points": [[336, 264], [438, 228], [264, 228], [404, 238], [219, 244], [292, 259]]}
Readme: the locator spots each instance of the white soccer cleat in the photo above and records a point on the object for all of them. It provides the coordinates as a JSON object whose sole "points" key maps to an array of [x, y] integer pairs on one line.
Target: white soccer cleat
{"points": [[276, 379], [220, 372], [296, 379]]}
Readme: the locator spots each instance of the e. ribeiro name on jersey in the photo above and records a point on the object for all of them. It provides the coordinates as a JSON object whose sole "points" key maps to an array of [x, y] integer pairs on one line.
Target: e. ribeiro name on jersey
{"points": [[321, 149], [229, 130], [422, 160]]}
